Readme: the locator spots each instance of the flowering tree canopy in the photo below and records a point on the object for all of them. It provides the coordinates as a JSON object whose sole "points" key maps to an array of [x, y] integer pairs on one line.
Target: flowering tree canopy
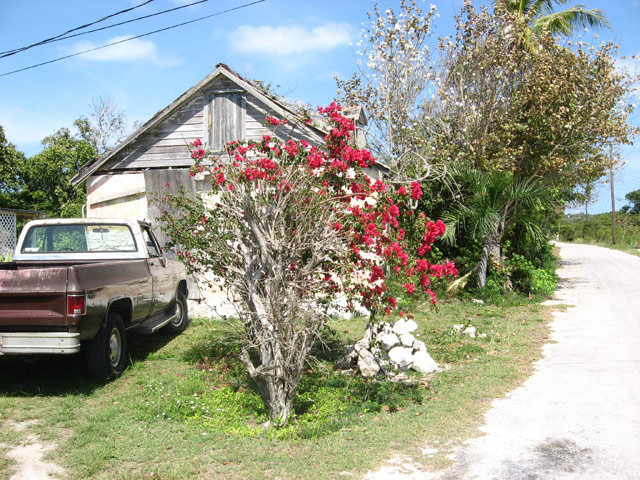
{"points": [[293, 232], [394, 73]]}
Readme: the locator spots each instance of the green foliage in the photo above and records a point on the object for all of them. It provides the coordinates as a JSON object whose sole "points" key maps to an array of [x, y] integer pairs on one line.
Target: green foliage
{"points": [[598, 229], [43, 182], [10, 160], [634, 198], [542, 18], [529, 279], [548, 113], [491, 206], [490, 203], [47, 175]]}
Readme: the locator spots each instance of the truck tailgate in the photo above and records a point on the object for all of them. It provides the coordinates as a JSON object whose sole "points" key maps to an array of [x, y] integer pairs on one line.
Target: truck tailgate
{"points": [[33, 298]]}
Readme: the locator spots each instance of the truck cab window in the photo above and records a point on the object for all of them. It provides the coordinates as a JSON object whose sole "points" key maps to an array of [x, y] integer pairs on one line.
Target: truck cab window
{"points": [[152, 247]]}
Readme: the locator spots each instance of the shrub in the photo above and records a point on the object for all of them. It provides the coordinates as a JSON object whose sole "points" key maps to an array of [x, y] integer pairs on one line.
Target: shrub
{"points": [[529, 279]]}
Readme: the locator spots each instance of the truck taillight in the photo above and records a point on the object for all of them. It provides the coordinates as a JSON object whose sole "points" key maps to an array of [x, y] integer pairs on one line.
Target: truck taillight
{"points": [[76, 304]]}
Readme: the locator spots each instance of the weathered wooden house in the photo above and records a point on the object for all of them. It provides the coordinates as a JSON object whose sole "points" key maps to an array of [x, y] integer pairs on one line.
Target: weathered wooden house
{"points": [[220, 108]]}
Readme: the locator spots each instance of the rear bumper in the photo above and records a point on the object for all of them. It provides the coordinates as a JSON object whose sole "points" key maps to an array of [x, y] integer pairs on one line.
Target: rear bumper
{"points": [[28, 343]]}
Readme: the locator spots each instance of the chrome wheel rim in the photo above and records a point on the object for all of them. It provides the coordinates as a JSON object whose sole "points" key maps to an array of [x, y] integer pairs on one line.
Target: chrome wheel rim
{"points": [[115, 347], [179, 314]]}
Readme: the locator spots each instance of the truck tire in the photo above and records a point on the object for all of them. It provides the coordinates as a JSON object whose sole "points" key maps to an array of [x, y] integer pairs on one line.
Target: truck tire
{"points": [[180, 323], [106, 353]]}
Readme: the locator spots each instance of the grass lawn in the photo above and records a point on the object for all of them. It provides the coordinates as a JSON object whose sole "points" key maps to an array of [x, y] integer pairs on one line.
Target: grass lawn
{"points": [[185, 409]]}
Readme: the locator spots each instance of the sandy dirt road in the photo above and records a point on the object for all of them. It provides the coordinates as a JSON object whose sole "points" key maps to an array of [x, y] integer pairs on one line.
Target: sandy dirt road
{"points": [[578, 416]]}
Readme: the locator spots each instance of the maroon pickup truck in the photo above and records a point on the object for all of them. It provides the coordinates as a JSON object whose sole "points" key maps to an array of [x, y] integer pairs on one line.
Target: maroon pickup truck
{"points": [[81, 284]]}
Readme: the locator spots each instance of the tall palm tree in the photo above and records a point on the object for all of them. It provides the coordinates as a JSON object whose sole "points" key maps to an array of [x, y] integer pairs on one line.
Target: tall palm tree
{"points": [[541, 17], [491, 203]]}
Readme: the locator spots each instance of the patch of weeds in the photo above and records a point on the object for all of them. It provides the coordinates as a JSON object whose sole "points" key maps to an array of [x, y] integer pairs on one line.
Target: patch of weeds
{"points": [[6, 465], [221, 396], [330, 401], [450, 350], [195, 398]]}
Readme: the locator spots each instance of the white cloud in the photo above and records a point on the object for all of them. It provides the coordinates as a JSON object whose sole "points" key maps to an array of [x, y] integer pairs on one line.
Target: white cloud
{"points": [[126, 51], [287, 40]]}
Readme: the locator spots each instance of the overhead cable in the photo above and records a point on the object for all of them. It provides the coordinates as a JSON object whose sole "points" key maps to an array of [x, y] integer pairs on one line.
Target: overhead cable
{"points": [[22, 49], [65, 37], [131, 38]]}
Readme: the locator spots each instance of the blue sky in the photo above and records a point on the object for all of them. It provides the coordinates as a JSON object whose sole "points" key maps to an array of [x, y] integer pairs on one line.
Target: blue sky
{"points": [[296, 45]]}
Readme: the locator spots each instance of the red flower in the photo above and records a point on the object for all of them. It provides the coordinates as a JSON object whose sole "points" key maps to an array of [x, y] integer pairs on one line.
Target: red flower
{"points": [[416, 190], [409, 287]]}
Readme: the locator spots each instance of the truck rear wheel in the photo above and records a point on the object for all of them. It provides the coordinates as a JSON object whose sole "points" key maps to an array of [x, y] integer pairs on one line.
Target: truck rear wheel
{"points": [[106, 353], [179, 324]]}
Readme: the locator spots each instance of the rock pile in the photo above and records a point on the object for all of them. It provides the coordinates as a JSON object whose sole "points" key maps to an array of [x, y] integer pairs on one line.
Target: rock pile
{"points": [[390, 349]]}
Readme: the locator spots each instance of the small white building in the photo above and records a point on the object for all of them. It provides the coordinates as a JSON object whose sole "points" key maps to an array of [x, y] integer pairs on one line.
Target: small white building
{"points": [[9, 219]]}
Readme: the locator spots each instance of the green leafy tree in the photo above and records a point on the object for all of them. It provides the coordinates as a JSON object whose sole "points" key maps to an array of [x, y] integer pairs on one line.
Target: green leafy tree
{"points": [[523, 121], [10, 181], [634, 199], [46, 177], [548, 114]]}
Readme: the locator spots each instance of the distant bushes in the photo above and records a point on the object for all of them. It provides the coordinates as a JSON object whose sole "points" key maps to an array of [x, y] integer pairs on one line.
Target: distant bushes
{"points": [[597, 229]]}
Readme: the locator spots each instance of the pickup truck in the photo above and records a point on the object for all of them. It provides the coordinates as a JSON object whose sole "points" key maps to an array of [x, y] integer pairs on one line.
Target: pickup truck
{"points": [[82, 284]]}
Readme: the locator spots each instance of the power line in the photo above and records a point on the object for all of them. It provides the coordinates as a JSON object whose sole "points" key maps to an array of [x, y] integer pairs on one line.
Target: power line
{"points": [[65, 37], [132, 38], [42, 42]]}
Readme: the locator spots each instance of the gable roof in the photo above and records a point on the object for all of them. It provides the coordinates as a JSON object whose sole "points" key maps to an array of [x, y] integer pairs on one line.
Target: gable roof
{"points": [[279, 107]]}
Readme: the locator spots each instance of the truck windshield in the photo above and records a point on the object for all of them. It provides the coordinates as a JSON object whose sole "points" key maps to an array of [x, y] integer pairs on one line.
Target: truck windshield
{"points": [[79, 238]]}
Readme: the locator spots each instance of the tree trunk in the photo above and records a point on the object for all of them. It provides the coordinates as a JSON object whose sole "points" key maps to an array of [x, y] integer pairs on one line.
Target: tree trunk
{"points": [[490, 249], [277, 391], [279, 398]]}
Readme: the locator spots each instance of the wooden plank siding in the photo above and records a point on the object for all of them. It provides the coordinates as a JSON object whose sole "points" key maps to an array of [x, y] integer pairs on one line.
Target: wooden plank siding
{"points": [[167, 144], [225, 119], [220, 113]]}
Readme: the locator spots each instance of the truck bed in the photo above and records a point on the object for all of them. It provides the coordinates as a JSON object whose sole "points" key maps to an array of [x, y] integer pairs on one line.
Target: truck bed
{"points": [[33, 295]]}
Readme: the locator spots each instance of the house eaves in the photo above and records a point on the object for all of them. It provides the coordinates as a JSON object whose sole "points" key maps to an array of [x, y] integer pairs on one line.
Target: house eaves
{"points": [[281, 109]]}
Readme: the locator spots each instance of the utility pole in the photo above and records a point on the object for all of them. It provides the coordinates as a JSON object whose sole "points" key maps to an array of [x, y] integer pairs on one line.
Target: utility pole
{"points": [[613, 200]]}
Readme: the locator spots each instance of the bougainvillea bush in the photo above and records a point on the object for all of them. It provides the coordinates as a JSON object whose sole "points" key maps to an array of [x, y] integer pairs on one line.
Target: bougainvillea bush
{"points": [[293, 232]]}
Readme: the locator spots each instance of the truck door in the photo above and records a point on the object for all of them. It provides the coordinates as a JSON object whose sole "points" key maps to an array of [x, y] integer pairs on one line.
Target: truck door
{"points": [[163, 284]]}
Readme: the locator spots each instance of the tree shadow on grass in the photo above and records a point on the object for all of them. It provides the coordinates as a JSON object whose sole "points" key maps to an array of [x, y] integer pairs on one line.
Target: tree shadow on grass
{"points": [[60, 375]]}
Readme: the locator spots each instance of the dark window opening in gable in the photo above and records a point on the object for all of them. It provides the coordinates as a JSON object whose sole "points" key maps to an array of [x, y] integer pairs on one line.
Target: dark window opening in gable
{"points": [[225, 118]]}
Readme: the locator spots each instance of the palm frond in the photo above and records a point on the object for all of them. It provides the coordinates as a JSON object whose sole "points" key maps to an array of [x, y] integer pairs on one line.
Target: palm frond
{"points": [[540, 8], [533, 230], [575, 17]]}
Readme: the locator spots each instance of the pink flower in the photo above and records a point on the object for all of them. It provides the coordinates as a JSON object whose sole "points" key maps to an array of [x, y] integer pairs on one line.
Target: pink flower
{"points": [[416, 190]]}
